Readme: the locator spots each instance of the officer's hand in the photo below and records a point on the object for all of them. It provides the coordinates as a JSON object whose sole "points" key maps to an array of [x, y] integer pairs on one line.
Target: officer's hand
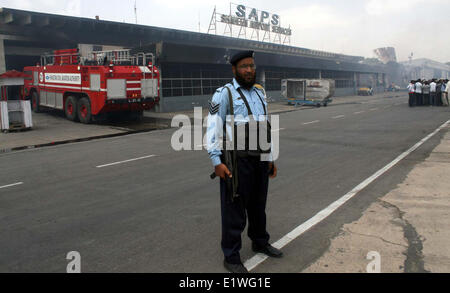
{"points": [[274, 174], [222, 171]]}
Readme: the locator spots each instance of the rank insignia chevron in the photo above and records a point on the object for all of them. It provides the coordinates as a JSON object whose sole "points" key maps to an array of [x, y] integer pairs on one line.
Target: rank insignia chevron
{"points": [[213, 108]]}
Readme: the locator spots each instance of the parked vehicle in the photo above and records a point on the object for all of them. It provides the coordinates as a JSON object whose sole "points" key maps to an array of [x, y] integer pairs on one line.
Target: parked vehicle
{"points": [[101, 82], [365, 91]]}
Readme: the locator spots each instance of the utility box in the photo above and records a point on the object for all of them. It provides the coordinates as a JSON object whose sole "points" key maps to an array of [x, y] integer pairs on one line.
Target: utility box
{"points": [[15, 112], [15, 115]]}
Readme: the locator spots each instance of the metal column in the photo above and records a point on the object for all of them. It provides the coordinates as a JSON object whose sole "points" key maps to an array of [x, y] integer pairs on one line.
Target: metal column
{"points": [[2, 57], [262, 78]]}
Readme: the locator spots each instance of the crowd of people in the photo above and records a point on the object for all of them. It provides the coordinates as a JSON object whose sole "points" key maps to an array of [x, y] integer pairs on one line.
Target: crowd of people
{"points": [[428, 92]]}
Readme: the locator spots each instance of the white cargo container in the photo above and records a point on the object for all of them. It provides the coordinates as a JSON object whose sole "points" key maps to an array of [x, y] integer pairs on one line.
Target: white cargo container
{"points": [[314, 92]]}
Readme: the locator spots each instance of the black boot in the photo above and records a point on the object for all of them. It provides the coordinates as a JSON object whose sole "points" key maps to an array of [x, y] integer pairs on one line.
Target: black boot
{"points": [[268, 250], [235, 268]]}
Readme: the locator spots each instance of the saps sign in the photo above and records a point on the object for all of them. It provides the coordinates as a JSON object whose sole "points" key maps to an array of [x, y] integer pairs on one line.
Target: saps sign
{"points": [[256, 19], [257, 16]]}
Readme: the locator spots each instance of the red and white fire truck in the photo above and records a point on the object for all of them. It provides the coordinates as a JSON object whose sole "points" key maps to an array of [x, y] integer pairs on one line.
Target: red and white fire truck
{"points": [[101, 82]]}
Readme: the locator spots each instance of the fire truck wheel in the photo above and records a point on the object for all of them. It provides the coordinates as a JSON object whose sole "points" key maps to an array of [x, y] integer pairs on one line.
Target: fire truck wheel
{"points": [[70, 108], [84, 110], [35, 102]]}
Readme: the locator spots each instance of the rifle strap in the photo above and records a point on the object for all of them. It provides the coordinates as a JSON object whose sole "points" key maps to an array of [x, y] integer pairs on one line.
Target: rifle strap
{"points": [[246, 102], [234, 172], [265, 110]]}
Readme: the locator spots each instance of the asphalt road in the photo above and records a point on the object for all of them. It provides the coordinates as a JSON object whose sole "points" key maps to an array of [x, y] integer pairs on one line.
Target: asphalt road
{"points": [[133, 204]]}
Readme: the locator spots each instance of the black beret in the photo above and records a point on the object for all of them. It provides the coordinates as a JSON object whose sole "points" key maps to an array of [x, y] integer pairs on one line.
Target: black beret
{"points": [[241, 55]]}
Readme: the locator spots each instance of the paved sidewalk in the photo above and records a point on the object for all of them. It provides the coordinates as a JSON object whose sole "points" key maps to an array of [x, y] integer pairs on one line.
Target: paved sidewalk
{"points": [[408, 227], [51, 127]]}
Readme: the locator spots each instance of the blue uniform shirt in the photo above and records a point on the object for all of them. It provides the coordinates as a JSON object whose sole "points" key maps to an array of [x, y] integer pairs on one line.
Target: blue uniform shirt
{"points": [[219, 108]]}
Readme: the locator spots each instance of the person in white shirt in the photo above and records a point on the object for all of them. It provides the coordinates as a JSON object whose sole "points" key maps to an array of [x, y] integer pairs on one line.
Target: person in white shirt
{"points": [[433, 92], [410, 88], [418, 93]]}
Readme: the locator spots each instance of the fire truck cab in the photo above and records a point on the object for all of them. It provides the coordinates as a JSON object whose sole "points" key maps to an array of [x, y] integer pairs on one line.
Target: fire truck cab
{"points": [[86, 86]]}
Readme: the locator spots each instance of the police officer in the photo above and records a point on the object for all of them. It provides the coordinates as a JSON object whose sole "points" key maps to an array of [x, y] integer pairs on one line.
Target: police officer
{"points": [[251, 173]]}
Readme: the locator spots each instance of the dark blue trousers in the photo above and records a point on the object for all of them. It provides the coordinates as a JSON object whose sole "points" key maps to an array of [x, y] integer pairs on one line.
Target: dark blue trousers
{"points": [[433, 99], [411, 100], [419, 99], [253, 177]]}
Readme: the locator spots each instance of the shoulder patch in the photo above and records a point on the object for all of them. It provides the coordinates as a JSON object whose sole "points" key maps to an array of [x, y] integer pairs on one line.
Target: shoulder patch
{"points": [[260, 90], [213, 108], [261, 93]]}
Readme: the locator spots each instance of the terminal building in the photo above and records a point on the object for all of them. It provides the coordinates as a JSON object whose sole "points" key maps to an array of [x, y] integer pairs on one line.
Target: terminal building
{"points": [[425, 68], [192, 64]]}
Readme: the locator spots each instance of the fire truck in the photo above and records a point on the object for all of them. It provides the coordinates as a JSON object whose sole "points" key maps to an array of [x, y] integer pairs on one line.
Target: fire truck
{"points": [[100, 82]]}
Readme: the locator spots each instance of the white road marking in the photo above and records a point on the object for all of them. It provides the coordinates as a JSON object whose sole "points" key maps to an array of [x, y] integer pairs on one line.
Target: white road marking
{"points": [[373, 109], [359, 112], [337, 117], [278, 129], [259, 258], [126, 161], [315, 121], [10, 185]]}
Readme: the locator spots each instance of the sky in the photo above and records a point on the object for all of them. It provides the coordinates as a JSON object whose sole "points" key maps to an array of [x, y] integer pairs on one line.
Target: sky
{"points": [[352, 27]]}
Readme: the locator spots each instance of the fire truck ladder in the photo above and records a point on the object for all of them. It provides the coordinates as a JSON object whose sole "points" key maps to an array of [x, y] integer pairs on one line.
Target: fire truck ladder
{"points": [[114, 56], [59, 59]]}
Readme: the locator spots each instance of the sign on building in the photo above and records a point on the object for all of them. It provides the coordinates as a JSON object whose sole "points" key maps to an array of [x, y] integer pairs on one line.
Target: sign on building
{"points": [[250, 23]]}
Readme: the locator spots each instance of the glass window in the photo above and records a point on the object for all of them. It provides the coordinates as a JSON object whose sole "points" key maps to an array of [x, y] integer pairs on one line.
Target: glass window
{"points": [[167, 92], [207, 91], [187, 91], [187, 83], [197, 91], [176, 83], [177, 92]]}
